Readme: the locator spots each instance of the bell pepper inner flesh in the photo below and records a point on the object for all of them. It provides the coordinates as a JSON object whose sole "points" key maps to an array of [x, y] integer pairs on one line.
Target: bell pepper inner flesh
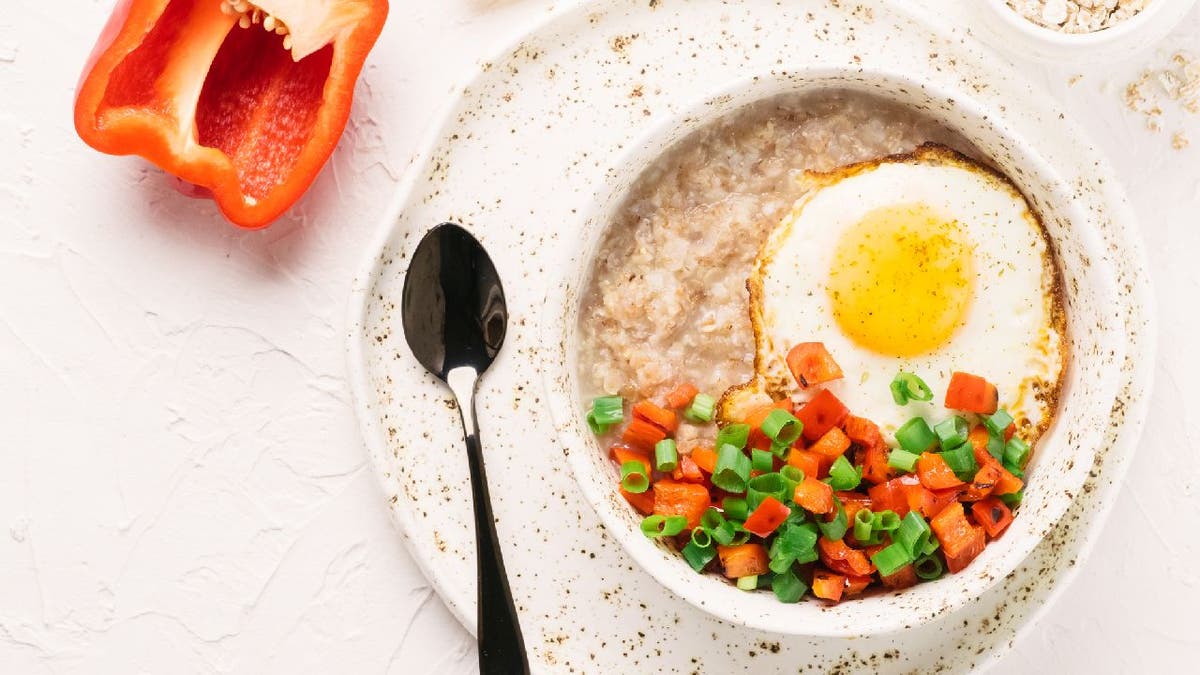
{"points": [[263, 140], [211, 95]]}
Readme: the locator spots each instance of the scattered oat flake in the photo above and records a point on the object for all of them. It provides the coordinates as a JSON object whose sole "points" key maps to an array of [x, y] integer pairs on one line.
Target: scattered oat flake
{"points": [[1074, 80], [1175, 85]]}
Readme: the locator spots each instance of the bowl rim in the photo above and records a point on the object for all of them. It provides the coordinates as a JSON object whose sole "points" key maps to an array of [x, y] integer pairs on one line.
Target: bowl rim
{"points": [[560, 311], [1103, 36]]}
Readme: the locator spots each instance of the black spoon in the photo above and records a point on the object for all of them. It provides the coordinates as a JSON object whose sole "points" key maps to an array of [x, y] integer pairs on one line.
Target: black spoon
{"points": [[454, 321]]}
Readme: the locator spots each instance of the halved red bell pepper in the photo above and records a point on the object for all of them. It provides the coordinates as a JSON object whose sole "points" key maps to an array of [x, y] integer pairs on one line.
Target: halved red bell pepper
{"points": [[245, 100]]}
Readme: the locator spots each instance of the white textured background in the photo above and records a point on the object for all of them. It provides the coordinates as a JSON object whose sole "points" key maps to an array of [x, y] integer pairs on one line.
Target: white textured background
{"points": [[181, 476]]}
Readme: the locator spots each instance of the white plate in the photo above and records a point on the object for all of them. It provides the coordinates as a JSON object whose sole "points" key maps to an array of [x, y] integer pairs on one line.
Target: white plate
{"points": [[521, 153]]}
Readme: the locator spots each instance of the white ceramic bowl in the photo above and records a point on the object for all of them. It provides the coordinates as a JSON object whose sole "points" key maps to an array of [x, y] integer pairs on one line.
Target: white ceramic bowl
{"points": [[1096, 345], [1006, 30]]}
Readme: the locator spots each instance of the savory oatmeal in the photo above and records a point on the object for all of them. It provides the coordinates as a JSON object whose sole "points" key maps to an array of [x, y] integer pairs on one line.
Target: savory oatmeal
{"points": [[668, 300], [817, 258]]}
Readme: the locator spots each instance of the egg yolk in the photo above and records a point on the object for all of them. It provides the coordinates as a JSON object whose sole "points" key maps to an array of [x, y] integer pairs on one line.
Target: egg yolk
{"points": [[902, 280]]}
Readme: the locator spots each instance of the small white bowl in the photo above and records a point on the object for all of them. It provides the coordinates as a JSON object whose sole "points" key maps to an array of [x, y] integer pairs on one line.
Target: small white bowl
{"points": [[1006, 30], [1095, 342]]}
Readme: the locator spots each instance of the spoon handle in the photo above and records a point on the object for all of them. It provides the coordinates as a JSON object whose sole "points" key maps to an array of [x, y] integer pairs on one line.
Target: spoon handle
{"points": [[501, 647]]}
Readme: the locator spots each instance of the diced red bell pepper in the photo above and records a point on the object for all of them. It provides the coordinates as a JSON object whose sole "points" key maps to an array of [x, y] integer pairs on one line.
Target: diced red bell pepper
{"points": [[855, 585], [983, 484], [874, 462], [921, 499], [902, 578], [828, 586], [814, 496], [624, 453], [810, 463], [888, 496], [832, 444], [811, 364], [681, 499], [971, 393], [705, 458], [688, 471], [935, 473], [821, 414], [681, 396], [839, 557], [1006, 482], [658, 416], [993, 516], [961, 541], [643, 434], [249, 115], [746, 560], [765, 519], [642, 501]]}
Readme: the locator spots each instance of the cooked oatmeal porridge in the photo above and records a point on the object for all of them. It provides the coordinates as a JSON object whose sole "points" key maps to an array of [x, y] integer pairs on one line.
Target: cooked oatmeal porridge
{"points": [[668, 300]]}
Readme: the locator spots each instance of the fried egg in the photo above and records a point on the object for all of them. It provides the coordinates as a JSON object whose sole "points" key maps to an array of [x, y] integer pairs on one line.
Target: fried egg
{"points": [[926, 263]]}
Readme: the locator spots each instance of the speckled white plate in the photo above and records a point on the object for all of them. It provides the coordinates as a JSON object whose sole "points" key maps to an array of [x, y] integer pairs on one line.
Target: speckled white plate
{"points": [[523, 151]]}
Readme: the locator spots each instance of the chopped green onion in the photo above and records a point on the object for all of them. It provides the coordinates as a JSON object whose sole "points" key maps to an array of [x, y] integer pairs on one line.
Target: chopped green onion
{"points": [[792, 473], [886, 521], [1013, 498], [780, 450], [811, 556], [666, 456], [748, 583], [891, 559], [908, 387], [998, 423], [843, 475], [633, 477], [915, 435], [711, 519], [961, 461], [781, 565], [928, 567], [732, 470], [995, 447], [740, 538], [1016, 453], [930, 546], [663, 526], [782, 427], [952, 432], [701, 538], [836, 528], [903, 460], [702, 409], [913, 533], [717, 528], [864, 522], [788, 587], [733, 434], [606, 412], [798, 516], [735, 508], [794, 541], [762, 461], [698, 556], [761, 486]]}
